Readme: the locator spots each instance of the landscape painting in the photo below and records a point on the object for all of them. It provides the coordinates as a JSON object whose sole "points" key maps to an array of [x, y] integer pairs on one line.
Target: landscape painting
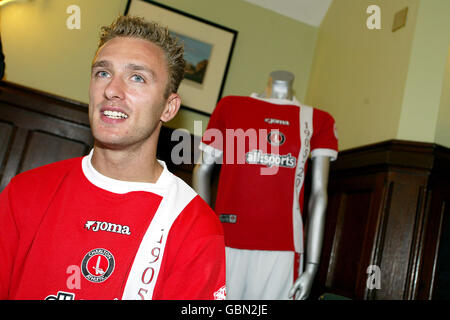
{"points": [[197, 55]]}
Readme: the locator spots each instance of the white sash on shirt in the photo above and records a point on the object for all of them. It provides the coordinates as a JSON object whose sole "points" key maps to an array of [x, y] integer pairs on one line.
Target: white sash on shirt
{"points": [[147, 263]]}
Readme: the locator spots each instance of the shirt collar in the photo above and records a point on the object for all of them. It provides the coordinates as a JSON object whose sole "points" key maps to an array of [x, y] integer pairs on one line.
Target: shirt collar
{"points": [[120, 186]]}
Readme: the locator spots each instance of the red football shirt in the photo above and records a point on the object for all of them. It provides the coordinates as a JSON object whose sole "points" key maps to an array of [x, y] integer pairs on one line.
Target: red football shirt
{"points": [[264, 145], [68, 232]]}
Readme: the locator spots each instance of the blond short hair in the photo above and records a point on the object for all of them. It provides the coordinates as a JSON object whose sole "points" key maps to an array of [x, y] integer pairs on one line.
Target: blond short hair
{"points": [[137, 27]]}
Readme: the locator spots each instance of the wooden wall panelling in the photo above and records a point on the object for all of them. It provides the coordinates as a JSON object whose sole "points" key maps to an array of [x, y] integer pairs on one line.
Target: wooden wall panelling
{"points": [[353, 211], [37, 129], [180, 152], [434, 270], [398, 252], [390, 183], [440, 288], [6, 139]]}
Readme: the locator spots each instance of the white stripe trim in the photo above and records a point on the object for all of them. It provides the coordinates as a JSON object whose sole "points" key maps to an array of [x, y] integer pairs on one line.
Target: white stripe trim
{"points": [[306, 132], [144, 272], [294, 101]]}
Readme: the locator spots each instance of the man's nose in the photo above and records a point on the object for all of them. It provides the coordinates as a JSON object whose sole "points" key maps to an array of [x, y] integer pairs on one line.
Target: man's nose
{"points": [[115, 88]]}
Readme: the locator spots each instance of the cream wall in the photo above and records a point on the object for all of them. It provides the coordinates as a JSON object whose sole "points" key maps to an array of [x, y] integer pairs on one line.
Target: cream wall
{"points": [[381, 85], [42, 53], [443, 121], [359, 75], [424, 87]]}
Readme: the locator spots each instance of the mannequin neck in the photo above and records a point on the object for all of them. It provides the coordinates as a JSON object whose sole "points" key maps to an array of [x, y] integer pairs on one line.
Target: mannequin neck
{"points": [[279, 90], [279, 85]]}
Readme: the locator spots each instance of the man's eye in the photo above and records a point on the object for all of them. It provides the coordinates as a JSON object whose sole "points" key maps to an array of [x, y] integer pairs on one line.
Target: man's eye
{"points": [[138, 78], [102, 74]]}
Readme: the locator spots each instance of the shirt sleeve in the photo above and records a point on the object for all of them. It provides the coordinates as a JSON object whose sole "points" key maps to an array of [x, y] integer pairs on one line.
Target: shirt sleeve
{"points": [[201, 276], [9, 239], [324, 141]]}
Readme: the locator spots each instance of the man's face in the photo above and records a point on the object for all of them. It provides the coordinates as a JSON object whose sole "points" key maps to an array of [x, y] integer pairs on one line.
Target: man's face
{"points": [[126, 92]]}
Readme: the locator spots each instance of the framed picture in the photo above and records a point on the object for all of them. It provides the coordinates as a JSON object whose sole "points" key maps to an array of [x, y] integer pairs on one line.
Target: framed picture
{"points": [[208, 49]]}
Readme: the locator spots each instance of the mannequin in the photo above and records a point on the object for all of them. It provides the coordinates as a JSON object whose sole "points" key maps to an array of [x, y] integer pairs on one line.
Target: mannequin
{"points": [[280, 87]]}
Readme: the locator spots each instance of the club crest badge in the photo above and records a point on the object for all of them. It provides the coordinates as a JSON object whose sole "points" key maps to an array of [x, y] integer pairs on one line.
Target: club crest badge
{"points": [[276, 138], [97, 265]]}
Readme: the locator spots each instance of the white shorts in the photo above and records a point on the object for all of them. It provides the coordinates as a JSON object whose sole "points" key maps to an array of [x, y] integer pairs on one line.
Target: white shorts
{"points": [[261, 274]]}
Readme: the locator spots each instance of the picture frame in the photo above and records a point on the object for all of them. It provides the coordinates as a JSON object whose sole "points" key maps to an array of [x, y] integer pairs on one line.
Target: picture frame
{"points": [[208, 51]]}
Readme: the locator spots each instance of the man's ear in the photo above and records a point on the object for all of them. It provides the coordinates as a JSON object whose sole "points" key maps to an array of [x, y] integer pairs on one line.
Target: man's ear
{"points": [[171, 109]]}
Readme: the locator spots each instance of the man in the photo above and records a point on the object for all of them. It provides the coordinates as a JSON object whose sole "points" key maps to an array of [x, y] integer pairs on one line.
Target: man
{"points": [[115, 224]]}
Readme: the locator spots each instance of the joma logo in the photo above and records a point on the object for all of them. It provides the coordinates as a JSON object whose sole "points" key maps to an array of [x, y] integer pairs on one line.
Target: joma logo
{"points": [[107, 226]]}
